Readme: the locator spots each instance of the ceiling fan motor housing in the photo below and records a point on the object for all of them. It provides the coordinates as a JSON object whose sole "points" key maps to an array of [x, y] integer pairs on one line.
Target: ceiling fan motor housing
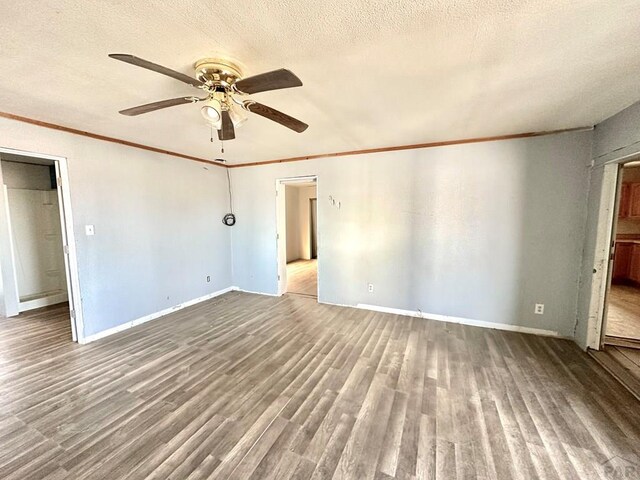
{"points": [[215, 71]]}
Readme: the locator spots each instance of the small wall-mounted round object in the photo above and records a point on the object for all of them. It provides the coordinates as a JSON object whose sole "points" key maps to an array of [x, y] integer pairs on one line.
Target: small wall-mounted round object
{"points": [[229, 219]]}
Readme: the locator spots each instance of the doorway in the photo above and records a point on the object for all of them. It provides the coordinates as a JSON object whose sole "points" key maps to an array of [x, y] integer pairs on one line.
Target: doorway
{"points": [[619, 327], [37, 256], [298, 236], [621, 324]]}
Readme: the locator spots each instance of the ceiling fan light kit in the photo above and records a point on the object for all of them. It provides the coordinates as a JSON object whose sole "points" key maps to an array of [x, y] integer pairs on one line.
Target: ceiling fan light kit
{"points": [[226, 93], [238, 116], [211, 112]]}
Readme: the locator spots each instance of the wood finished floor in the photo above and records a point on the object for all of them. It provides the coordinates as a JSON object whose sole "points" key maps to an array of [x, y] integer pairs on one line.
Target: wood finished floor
{"points": [[256, 387], [623, 312], [623, 363], [302, 277]]}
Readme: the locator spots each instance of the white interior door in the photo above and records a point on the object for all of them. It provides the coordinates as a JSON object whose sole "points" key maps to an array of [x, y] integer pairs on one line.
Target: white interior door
{"points": [[65, 249]]}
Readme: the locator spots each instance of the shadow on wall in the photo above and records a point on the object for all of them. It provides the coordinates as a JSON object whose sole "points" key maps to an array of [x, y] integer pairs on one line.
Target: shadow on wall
{"points": [[482, 239]]}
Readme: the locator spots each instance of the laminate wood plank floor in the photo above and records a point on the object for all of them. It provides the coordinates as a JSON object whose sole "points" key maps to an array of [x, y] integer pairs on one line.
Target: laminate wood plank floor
{"points": [[633, 355], [302, 277], [623, 312], [623, 363], [255, 387]]}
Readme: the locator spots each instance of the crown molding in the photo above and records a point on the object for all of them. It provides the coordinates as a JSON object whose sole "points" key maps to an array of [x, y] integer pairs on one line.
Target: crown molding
{"points": [[395, 148], [411, 147], [104, 138]]}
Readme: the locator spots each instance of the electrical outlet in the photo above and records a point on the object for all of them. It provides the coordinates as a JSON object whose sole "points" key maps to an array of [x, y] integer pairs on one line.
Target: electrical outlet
{"points": [[371, 288], [539, 309], [208, 278]]}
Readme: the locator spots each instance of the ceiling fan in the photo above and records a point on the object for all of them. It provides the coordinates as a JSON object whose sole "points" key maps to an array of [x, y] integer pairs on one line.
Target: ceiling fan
{"points": [[224, 88]]}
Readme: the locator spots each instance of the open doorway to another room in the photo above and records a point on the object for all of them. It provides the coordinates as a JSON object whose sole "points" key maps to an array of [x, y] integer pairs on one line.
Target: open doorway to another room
{"points": [[35, 254], [300, 228], [622, 326], [620, 332], [302, 249]]}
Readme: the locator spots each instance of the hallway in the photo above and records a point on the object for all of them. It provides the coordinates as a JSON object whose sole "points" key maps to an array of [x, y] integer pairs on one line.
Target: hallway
{"points": [[302, 277]]}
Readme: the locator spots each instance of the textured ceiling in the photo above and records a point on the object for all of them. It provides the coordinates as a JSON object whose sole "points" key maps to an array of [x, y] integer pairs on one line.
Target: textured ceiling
{"points": [[375, 73]]}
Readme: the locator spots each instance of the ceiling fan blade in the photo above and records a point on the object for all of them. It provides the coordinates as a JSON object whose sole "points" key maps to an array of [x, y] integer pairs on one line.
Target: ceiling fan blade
{"points": [[150, 107], [276, 116], [274, 80], [139, 62], [227, 132]]}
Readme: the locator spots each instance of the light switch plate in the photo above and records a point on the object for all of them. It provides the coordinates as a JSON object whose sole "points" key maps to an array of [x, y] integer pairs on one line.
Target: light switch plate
{"points": [[89, 230]]}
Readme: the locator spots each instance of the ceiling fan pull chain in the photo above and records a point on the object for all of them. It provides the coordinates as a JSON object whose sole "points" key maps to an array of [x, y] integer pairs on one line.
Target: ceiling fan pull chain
{"points": [[221, 146], [211, 131]]}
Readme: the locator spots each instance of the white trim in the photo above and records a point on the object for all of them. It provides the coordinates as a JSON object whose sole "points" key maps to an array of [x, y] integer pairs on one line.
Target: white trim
{"points": [[26, 153], [71, 259], [68, 242], [300, 179], [607, 273], [11, 293], [281, 237], [238, 289], [153, 316], [460, 320], [435, 317], [43, 301]]}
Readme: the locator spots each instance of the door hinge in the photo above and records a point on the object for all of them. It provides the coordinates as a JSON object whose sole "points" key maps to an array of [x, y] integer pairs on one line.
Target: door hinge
{"points": [[277, 236], [72, 313], [278, 277], [59, 180], [66, 249]]}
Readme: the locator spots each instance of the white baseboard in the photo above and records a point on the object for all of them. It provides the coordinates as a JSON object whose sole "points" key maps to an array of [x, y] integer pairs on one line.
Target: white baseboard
{"points": [[152, 316], [436, 317], [362, 306], [238, 289], [42, 302], [460, 320]]}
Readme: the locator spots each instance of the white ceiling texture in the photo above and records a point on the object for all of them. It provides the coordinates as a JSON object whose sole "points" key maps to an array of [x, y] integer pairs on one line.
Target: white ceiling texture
{"points": [[375, 73]]}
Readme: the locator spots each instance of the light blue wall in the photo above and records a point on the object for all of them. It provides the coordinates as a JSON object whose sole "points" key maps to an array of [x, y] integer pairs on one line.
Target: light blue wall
{"points": [[618, 136], [157, 220], [480, 231]]}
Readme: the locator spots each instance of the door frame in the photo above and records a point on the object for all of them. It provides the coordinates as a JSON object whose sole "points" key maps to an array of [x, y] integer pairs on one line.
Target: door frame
{"points": [[68, 239], [281, 228], [616, 179], [608, 206], [313, 239]]}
